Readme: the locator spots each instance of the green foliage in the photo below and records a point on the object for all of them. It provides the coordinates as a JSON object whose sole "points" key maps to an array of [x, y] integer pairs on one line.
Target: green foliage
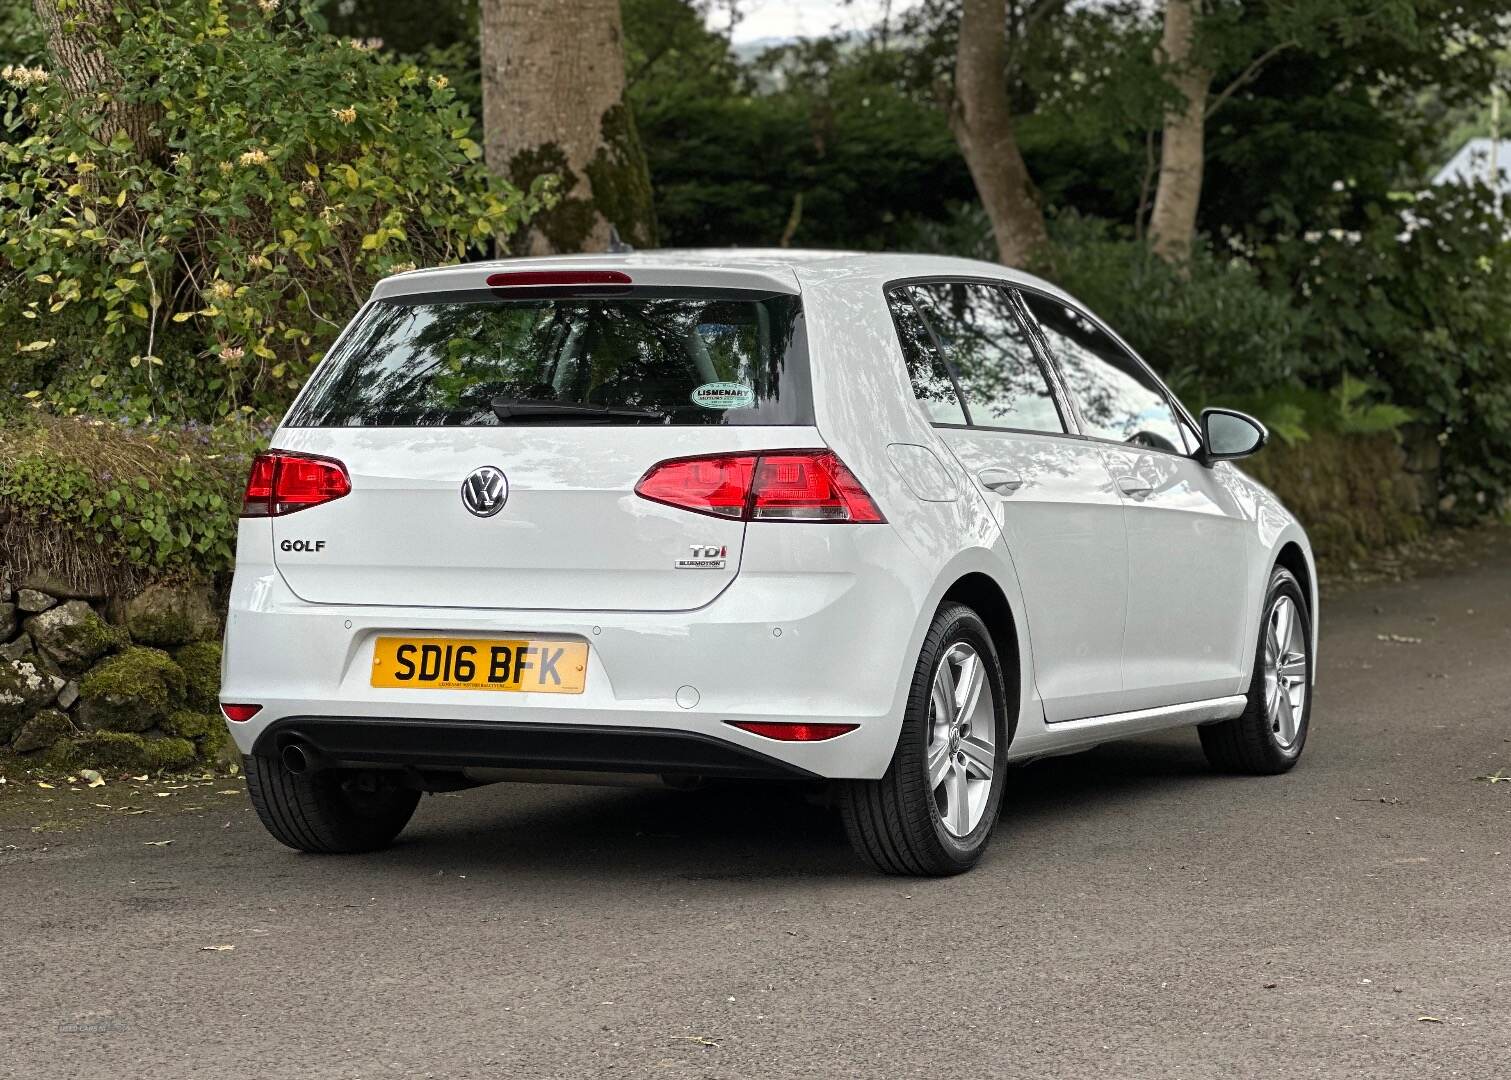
{"points": [[1417, 302], [1214, 329], [1357, 415], [815, 144], [1294, 412], [156, 499], [21, 38], [211, 279]]}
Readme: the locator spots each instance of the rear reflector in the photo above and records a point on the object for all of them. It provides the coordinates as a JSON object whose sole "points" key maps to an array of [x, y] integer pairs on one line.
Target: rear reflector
{"points": [[781, 485], [240, 713], [281, 483], [549, 279], [793, 731]]}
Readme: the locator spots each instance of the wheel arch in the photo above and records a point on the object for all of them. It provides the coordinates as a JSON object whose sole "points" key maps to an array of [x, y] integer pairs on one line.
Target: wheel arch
{"points": [[1294, 559], [1295, 555], [981, 593]]}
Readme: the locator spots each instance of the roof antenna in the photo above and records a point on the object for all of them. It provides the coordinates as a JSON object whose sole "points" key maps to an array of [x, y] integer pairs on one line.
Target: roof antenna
{"points": [[616, 245]]}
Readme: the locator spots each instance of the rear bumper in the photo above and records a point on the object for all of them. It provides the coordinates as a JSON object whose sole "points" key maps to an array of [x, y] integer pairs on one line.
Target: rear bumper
{"points": [[834, 643], [450, 745]]}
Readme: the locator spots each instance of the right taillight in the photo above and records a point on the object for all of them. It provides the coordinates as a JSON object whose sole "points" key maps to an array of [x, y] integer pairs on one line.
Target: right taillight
{"points": [[780, 485], [282, 482]]}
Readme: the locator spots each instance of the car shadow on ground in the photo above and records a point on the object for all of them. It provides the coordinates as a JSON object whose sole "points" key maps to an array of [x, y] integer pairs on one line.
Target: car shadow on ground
{"points": [[752, 831]]}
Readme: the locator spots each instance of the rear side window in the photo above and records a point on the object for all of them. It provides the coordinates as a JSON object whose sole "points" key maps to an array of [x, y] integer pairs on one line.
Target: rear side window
{"points": [[640, 357], [1117, 398], [990, 355], [932, 384]]}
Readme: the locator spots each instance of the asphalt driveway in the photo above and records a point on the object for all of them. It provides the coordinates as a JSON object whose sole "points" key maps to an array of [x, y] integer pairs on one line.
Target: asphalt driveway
{"points": [[1137, 916]]}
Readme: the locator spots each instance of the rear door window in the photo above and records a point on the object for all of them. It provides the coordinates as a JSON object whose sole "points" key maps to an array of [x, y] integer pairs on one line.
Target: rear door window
{"points": [[678, 357], [990, 354]]}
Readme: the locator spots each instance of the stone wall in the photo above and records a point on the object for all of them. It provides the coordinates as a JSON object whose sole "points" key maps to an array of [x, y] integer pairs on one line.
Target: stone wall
{"points": [[110, 682]]}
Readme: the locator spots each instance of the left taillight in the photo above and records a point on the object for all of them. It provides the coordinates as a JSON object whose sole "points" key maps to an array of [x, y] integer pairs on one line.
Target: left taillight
{"points": [[282, 482], [778, 485]]}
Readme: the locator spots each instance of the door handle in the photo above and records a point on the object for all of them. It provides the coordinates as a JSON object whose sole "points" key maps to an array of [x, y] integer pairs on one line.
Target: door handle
{"points": [[1135, 487], [1002, 481]]}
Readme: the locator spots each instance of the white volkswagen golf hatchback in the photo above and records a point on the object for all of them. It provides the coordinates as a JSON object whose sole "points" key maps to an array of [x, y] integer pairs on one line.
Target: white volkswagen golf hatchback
{"points": [[889, 521]]}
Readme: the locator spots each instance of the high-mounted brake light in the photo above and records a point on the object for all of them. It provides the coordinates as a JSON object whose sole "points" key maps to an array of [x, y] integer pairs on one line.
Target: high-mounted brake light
{"points": [[281, 483], [779, 485], [793, 731], [240, 714], [547, 279]]}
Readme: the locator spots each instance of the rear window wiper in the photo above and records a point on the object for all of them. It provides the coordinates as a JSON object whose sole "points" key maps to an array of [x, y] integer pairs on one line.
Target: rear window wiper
{"points": [[509, 412]]}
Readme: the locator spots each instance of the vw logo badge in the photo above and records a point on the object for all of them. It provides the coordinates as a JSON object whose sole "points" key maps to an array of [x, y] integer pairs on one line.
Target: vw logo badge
{"points": [[485, 491]]}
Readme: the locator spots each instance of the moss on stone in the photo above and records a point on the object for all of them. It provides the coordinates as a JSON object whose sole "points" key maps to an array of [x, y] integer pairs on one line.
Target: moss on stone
{"points": [[132, 690], [166, 614], [188, 724], [216, 747], [43, 731], [162, 628], [201, 665], [121, 750], [92, 636]]}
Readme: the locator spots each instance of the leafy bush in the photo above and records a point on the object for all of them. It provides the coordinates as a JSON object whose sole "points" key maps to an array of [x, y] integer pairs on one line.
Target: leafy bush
{"points": [[211, 276], [115, 504], [1212, 332], [1294, 412], [1417, 301]]}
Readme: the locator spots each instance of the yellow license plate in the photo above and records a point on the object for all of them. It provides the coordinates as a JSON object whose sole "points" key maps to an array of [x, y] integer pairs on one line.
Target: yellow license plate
{"points": [[519, 664]]}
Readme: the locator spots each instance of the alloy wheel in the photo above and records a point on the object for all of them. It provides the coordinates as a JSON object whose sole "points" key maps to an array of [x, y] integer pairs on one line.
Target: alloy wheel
{"points": [[1285, 671], [962, 749]]}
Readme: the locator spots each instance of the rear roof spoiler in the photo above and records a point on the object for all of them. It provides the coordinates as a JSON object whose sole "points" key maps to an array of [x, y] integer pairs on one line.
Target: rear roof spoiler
{"points": [[533, 273]]}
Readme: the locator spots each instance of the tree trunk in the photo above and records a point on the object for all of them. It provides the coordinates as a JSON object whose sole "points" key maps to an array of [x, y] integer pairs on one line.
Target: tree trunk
{"points": [[1172, 226], [982, 122], [77, 36], [553, 102]]}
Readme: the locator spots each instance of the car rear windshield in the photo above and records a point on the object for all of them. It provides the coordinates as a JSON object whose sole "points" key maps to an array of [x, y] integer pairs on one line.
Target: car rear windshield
{"points": [[641, 357]]}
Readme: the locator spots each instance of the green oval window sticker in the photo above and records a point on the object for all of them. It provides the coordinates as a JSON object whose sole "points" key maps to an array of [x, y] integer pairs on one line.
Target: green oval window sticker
{"points": [[724, 395]]}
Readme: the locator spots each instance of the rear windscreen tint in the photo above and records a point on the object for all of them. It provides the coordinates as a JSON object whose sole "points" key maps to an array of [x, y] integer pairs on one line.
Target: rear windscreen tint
{"points": [[461, 359]]}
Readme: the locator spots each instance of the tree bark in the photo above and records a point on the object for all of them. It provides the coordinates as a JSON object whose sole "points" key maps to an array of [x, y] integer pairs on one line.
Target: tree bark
{"points": [[982, 122], [553, 102], [78, 34], [1172, 225]]}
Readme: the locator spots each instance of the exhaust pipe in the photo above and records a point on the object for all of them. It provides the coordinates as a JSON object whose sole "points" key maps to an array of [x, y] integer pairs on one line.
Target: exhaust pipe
{"points": [[297, 759]]}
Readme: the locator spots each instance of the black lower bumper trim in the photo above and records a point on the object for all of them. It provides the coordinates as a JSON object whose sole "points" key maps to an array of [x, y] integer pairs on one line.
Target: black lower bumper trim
{"points": [[353, 742]]}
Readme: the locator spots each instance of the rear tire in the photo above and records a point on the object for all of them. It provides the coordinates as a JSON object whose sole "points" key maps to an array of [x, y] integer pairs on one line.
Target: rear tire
{"points": [[328, 812], [1270, 734], [933, 812]]}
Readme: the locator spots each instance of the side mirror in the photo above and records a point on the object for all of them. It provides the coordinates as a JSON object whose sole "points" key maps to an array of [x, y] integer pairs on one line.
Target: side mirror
{"points": [[1227, 434]]}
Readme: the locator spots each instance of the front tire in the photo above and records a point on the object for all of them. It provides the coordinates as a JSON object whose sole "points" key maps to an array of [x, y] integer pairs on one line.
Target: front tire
{"points": [[933, 812], [1269, 736], [330, 811]]}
